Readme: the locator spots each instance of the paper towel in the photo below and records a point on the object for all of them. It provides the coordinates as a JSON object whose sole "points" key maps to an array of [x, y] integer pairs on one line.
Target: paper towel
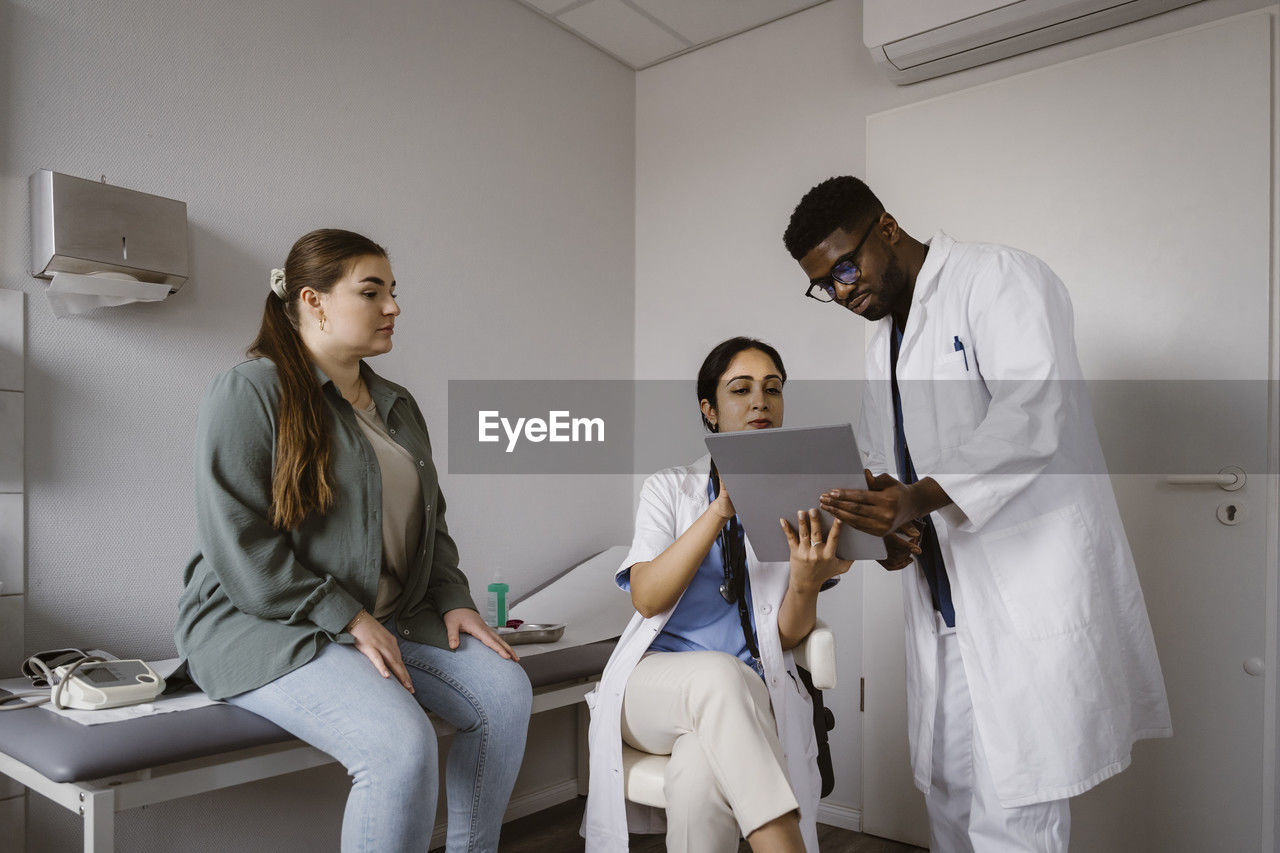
{"points": [[70, 293]]}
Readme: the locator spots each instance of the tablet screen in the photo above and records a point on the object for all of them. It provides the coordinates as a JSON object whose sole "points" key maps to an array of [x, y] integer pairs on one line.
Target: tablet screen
{"points": [[773, 473]]}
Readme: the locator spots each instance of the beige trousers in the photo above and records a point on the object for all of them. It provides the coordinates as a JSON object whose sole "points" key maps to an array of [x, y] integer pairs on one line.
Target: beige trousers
{"points": [[710, 712]]}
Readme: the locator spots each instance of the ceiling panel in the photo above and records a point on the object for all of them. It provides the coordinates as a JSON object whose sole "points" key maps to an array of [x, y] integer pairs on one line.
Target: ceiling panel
{"points": [[641, 33], [703, 21], [622, 31]]}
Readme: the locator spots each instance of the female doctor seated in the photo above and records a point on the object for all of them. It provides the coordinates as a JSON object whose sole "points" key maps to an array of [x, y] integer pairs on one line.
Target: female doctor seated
{"points": [[701, 672]]}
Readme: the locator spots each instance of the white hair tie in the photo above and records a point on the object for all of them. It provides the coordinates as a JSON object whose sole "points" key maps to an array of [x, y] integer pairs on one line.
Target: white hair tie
{"points": [[277, 283]]}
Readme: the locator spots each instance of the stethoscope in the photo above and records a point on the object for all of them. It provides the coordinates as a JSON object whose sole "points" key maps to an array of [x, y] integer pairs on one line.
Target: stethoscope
{"points": [[728, 586], [728, 589], [733, 585]]}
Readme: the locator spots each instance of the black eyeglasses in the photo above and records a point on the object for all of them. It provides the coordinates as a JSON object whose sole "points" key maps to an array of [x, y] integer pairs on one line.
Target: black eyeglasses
{"points": [[844, 271]]}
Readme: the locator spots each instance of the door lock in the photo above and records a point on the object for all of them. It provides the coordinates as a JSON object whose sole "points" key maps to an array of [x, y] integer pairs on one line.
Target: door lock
{"points": [[1231, 513]]}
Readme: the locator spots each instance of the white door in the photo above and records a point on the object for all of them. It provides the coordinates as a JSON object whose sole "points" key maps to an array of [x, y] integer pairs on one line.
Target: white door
{"points": [[1143, 176]]}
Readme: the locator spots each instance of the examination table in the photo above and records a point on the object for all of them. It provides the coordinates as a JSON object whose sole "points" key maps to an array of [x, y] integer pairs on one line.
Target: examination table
{"points": [[103, 769]]}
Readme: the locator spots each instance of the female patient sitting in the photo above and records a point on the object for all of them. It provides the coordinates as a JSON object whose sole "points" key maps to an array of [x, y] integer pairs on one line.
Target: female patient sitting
{"points": [[700, 673], [325, 593]]}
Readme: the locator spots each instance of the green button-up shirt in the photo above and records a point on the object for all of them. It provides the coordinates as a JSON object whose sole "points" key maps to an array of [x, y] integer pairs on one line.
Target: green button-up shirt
{"points": [[260, 602]]}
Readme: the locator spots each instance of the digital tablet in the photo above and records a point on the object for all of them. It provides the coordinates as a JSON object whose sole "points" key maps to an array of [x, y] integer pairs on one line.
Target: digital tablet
{"points": [[773, 473]]}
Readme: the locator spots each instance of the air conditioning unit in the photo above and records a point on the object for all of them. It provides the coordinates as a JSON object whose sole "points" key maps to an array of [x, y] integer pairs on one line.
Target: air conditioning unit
{"points": [[917, 39]]}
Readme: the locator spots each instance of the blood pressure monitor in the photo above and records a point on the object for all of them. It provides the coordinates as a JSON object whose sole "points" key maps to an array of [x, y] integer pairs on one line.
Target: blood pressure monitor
{"points": [[95, 684]]}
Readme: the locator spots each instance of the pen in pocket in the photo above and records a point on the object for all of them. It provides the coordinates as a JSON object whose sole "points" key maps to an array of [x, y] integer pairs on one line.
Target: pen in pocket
{"points": [[960, 349]]}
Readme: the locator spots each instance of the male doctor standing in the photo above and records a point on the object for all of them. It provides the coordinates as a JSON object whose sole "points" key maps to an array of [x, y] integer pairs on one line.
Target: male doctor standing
{"points": [[1031, 668]]}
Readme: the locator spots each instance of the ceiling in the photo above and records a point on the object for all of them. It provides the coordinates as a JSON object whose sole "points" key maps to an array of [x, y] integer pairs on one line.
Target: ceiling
{"points": [[640, 33]]}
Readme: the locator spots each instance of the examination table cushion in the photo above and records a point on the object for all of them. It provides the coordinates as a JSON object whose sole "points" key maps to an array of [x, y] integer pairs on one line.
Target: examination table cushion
{"points": [[65, 751]]}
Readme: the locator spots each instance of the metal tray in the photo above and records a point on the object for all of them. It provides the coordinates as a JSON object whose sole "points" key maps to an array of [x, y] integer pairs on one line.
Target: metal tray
{"points": [[531, 632]]}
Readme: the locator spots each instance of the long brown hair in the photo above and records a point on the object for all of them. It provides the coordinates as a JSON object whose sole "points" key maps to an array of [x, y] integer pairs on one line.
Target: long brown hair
{"points": [[300, 480]]}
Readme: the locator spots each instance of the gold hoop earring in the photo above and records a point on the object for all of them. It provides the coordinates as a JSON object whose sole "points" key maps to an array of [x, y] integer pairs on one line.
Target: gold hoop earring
{"points": [[322, 322]]}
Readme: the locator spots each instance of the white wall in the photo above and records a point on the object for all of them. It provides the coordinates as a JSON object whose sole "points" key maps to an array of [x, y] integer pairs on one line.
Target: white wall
{"points": [[490, 151], [728, 139]]}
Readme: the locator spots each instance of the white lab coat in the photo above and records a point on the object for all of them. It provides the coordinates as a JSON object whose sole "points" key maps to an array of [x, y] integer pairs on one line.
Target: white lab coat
{"points": [[670, 502], [1050, 618]]}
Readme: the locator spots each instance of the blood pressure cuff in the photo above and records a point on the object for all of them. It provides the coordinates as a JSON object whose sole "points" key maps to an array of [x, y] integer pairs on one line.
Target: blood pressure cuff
{"points": [[40, 666]]}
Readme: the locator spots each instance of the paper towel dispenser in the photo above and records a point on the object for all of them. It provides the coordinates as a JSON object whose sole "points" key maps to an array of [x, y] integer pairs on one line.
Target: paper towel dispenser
{"points": [[103, 244]]}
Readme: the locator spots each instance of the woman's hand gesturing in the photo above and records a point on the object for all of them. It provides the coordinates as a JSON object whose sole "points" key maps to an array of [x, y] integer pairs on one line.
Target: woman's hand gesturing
{"points": [[380, 646], [813, 556]]}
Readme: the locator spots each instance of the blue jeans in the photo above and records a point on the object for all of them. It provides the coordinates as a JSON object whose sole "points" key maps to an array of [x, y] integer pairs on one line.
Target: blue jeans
{"points": [[380, 732]]}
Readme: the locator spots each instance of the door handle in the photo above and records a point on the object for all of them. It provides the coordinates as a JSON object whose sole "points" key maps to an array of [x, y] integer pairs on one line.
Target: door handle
{"points": [[1229, 479]]}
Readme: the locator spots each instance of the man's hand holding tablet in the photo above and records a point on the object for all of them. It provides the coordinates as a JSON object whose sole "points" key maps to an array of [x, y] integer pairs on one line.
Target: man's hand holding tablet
{"points": [[886, 508]]}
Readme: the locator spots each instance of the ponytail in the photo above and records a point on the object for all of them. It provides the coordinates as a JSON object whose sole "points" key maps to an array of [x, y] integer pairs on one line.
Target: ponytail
{"points": [[301, 476]]}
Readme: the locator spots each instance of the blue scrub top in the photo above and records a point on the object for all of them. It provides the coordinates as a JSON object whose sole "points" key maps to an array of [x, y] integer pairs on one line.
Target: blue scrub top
{"points": [[703, 620]]}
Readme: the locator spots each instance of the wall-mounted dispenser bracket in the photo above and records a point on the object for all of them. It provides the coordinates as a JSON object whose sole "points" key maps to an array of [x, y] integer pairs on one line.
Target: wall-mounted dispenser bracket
{"points": [[104, 245]]}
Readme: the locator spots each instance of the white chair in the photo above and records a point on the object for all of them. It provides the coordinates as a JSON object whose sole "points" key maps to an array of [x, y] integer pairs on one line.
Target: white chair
{"points": [[643, 773]]}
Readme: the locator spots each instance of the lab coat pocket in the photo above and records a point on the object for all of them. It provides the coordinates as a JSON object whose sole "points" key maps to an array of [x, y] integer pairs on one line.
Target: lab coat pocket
{"points": [[948, 364], [800, 714], [1044, 571], [956, 400]]}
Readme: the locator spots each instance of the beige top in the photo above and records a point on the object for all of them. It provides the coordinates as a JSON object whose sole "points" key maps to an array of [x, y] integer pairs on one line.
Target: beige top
{"points": [[402, 509]]}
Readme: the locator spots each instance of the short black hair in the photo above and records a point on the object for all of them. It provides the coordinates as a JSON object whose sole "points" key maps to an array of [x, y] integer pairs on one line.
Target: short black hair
{"points": [[842, 202], [718, 361]]}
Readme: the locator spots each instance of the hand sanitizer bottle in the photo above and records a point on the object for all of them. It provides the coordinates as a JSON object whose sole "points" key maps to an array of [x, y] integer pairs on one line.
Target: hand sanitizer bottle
{"points": [[496, 612]]}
